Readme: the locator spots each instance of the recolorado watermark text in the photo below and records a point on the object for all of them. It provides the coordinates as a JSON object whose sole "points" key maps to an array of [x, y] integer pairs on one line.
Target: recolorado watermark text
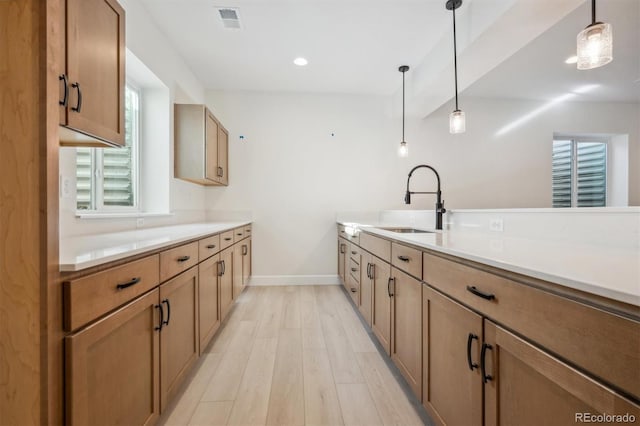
{"points": [[604, 418]]}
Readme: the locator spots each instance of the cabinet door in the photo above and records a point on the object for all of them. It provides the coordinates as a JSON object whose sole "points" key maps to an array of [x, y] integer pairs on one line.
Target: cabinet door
{"points": [[223, 156], [342, 253], [452, 336], [208, 306], [179, 343], [381, 315], [366, 287], [226, 281], [527, 386], [237, 271], [113, 367], [246, 261], [211, 147], [406, 343], [95, 67]]}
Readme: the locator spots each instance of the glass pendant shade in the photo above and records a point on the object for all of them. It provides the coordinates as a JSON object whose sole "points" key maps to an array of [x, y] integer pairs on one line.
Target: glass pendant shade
{"points": [[457, 122], [595, 46], [403, 150]]}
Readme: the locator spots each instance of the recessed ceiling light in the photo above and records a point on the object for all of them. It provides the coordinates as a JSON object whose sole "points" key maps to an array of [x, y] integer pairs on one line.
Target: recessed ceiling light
{"points": [[571, 60], [301, 62]]}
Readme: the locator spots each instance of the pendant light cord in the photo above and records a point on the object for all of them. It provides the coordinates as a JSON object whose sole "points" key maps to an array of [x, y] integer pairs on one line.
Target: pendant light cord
{"points": [[593, 12], [455, 54], [403, 72]]}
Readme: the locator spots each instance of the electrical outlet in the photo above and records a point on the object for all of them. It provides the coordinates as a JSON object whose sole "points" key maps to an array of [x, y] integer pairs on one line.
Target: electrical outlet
{"points": [[496, 224], [139, 222]]}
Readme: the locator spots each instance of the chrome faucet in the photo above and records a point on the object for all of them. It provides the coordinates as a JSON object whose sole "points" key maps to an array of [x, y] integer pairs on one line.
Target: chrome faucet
{"points": [[439, 202]]}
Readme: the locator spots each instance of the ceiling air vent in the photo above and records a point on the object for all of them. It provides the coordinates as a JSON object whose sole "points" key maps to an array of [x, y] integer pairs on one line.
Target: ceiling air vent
{"points": [[230, 17]]}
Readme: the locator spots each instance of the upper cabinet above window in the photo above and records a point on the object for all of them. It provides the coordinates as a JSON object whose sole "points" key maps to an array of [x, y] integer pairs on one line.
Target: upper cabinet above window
{"points": [[92, 75], [201, 146]]}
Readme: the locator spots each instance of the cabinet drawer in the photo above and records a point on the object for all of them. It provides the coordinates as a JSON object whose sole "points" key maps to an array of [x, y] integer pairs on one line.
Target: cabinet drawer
{"points": [[354, 253], [208, 247], [177, 260], [247, 231], [407, 259], [376, 245], [226, 239], [604, 344], [353, 288], [354, 270], [238, 234], [88, 298]]}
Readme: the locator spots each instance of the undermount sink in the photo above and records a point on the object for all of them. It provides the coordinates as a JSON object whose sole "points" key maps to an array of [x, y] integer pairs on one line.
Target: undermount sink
{"points": [[407, 230]]}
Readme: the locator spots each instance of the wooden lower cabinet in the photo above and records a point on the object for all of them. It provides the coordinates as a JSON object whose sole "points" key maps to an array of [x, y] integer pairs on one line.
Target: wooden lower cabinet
{"points": [[179, 338], [246, 261], [237, 271], [208, 306], [113, 367], [382, 300], [406, 341], [528, 386], [366, 287], [452, 339], [226, 281], [342, 259]]}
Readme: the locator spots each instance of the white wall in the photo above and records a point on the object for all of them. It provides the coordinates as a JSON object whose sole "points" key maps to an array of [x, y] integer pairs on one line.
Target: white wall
{"points": [[294, 176], [186, 200]]}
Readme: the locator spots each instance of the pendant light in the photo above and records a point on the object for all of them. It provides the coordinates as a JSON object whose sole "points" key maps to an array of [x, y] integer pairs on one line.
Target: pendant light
{"points": [[456, 118], [403, 150], [595, 43]]}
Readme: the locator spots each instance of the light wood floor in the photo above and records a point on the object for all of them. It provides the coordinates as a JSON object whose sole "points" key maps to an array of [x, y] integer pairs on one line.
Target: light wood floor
{"points": [[293, 356]]}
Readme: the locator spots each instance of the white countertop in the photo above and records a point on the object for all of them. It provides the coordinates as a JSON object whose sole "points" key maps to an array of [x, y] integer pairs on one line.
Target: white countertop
{"points": [[83, 252], [606, 271]]}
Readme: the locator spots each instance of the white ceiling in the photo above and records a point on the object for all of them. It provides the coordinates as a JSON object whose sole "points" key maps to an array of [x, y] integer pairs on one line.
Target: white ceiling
{"points": [[353, 46], [538, 71]]}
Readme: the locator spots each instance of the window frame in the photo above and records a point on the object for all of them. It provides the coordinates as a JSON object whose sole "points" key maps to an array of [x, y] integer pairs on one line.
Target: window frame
{"points": [[97, 170], [575, 140]]}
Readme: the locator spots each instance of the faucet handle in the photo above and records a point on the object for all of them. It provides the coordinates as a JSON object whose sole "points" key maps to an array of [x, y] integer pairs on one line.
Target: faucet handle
{"points": [[442, 209]]}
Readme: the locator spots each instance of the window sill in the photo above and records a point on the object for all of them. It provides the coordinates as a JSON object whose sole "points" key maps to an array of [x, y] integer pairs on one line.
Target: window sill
{"points": [[120, 215]]}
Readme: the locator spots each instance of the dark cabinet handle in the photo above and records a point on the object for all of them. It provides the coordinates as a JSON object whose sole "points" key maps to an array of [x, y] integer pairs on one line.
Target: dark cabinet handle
{"points": [[220, 270], [228, 239], [245, 250], [354, 269], [353, 290], [343, 248], [483, 361], [168, 312], [470, 339], [479, 293], [224, 267], [220, 171], [368, 270], [239, 234], [159, 327], [65, 97], [342, 232], [354, 252], [403, 258], [373, 271], [133, 281], [183, 258], [78, 106], [389, 286], [211, 246]]}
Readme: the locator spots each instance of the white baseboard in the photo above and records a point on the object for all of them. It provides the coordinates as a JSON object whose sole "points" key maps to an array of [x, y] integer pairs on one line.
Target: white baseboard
{"points": [[271, 280]]}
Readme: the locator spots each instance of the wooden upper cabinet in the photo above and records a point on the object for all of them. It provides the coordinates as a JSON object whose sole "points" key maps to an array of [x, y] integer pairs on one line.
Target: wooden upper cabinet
{"points": [[93, 80], [201, 146]]}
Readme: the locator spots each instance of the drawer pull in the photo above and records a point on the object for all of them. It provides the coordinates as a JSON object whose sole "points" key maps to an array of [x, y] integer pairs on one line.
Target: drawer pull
{"points": [[353, 290], [487, 296], [239, 234], [183, 258], [134, 281], [354, 252], [159, 327], [342, 232], [472, 365], [483, 361], [168, 311], [404, 258], [211, 246], [228, 239], [389, 286], [354, 269]]}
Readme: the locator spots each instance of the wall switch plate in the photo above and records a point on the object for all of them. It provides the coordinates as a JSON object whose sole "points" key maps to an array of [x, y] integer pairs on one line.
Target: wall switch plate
{"points": [[139, 222], [65, 187], [496, 224]]}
